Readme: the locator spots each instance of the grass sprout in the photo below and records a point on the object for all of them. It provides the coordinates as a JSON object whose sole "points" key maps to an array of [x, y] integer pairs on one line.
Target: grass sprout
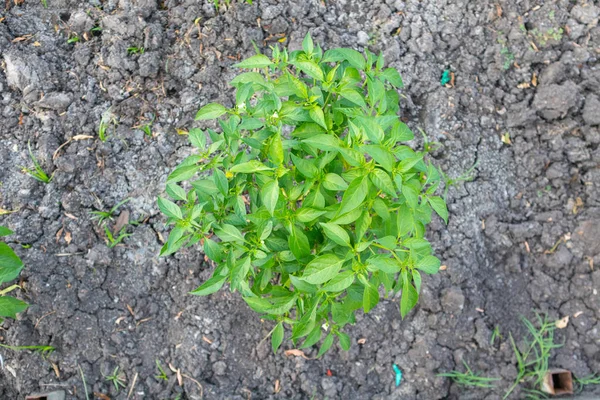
{"points": [[36, 172], [469, 378]]}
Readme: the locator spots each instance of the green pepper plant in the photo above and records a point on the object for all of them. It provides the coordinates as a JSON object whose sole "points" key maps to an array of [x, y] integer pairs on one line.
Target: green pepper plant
{"points": [[305, 198]]}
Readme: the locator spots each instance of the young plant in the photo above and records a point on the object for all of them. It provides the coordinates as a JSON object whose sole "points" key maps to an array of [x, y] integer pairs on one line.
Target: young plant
{"points": [[103, 216], [111, 240], [306, 200], [45, 351], [10, 268], [116, 378], [532, 364], [469, 378], [36, 172], [135, 50], [163, 375]]}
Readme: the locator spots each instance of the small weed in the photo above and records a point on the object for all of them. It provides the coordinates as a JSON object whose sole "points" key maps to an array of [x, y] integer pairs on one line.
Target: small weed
{"points": [[36, 172], [495, 335], [588, 380], [469, 378], [467, 176], [87, 395], [73, 39], [135, 50], [45, 351], [108, 119], [96, 30], [532, 364], [45, 3], [103, 216], [146, 128], [163, 375], [113, 241], [227, 3], [117, 379]]}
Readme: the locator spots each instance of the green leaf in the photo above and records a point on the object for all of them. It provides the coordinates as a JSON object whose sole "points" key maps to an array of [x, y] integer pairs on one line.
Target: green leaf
{"points": [[311, 69], [277, 337], [411, 196], [355, 195], [409, 298], [257, 61], [306, 167], [10, 264], [197, 138], [326, 345], [307, 322], [370, 298], [298, 243], [344, 340], [316, 114], [429, 264], [372, 129], [334, 182], [306, 214], [176, 192], [169, 208], [229, 233], [362, 224], [270, 195], [381, 155], [307, 44], [439, 206], [322, 269], [10, 307], [4, 231], [249, 167], [210, 286], [276, 150], [182, 173], [239, 272], [312, 338], [384, 264], [351, 94], [212, 250], [210, 111], [353, 57], [221, 181], [336, 233], [392, 76], [340, 282], [323, 142], [381, 209], [382, 180]]}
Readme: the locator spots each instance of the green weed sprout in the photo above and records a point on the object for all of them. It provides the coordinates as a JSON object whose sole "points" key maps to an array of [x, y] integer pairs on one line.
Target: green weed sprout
{"points": [[135, 50], [45, 351], [305, 199], [113, 241], [469, 378], [103, 216], [117, 379], [36, 172], [163, 375], [532, 364]]}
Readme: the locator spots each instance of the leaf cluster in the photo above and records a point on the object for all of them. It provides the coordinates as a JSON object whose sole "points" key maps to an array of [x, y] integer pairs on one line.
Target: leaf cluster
{"points": [[305, 198], [10, 268]]}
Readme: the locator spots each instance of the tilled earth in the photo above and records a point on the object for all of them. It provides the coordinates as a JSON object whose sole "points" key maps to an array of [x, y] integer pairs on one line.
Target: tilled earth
{"points": [[524, 231]]}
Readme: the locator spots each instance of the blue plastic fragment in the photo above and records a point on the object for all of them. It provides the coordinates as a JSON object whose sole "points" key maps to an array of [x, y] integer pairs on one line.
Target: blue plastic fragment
{"points": [[398, 374], [446, 77]]}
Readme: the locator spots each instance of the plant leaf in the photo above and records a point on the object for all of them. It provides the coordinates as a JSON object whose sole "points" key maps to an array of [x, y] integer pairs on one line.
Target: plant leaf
{"points": [[354, 196], [169, 208], [336, 233], [10, 307], [322, 269], [439, 206], [277, 337], [229, 233], [326, 345], [249, 167], [270, 195], [409, 298], [340, 282], [210, 111], [10, 264], [256, 61], [429, 264], [298, 243], [210, 286]]}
